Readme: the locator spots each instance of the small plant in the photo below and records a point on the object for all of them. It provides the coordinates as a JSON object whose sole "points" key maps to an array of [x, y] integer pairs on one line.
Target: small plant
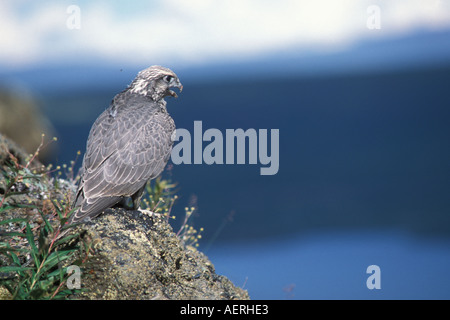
{"points": [[187, 233], [33, 261], [41, 275], [161, 199]]}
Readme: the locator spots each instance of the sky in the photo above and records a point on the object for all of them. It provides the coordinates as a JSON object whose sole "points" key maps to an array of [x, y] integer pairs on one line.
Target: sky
{"points": [[199, 32]]}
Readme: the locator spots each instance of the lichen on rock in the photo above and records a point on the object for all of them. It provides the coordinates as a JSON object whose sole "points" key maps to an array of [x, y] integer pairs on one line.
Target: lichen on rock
{"points": [[138, 256]]}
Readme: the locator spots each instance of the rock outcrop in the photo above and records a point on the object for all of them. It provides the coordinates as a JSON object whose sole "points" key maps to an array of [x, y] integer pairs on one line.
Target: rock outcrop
{"points": [[136, 255], [124, 254]]}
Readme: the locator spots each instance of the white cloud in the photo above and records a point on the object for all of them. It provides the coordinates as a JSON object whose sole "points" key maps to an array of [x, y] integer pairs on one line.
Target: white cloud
{"points": [[199, 30]]}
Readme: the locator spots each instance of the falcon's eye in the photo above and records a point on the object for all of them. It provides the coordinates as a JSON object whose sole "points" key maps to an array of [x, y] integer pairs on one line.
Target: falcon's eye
{"points": [[168, 78]]}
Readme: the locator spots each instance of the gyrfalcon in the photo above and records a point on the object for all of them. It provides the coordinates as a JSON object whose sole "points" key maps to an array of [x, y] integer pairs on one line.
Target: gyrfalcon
{"points": [[128, 145]]}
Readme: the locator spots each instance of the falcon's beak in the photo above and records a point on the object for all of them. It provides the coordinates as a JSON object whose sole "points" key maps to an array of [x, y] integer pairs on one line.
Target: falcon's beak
{"points": [[176, 85], [179, 85]]}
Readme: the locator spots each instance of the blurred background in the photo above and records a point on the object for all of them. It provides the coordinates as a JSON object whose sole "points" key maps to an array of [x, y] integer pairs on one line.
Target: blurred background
{"points": [[358, 89]]}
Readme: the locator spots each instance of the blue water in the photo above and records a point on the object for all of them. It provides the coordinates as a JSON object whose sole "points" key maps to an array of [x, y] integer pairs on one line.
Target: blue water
{"points": [[355, 151], [333, 265]]}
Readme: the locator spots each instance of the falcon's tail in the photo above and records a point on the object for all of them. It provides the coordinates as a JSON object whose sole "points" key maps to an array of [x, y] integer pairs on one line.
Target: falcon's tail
{"points": [[89, 209], [92, 207]]}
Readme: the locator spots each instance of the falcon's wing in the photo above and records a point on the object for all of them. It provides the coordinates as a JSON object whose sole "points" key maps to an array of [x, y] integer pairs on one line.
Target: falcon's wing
{"points": [[124, 151]]}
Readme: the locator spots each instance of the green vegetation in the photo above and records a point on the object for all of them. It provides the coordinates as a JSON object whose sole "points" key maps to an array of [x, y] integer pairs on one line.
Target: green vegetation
{"points": [[161, 198], [35, 203], [33, 209]]}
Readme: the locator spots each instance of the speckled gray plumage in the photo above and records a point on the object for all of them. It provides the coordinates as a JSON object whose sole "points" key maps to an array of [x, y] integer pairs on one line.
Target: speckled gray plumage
{"points": [[128, 145]]}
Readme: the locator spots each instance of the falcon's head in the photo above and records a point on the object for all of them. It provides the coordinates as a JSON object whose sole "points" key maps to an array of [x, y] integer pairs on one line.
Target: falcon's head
{"points": [[155, 82]]}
